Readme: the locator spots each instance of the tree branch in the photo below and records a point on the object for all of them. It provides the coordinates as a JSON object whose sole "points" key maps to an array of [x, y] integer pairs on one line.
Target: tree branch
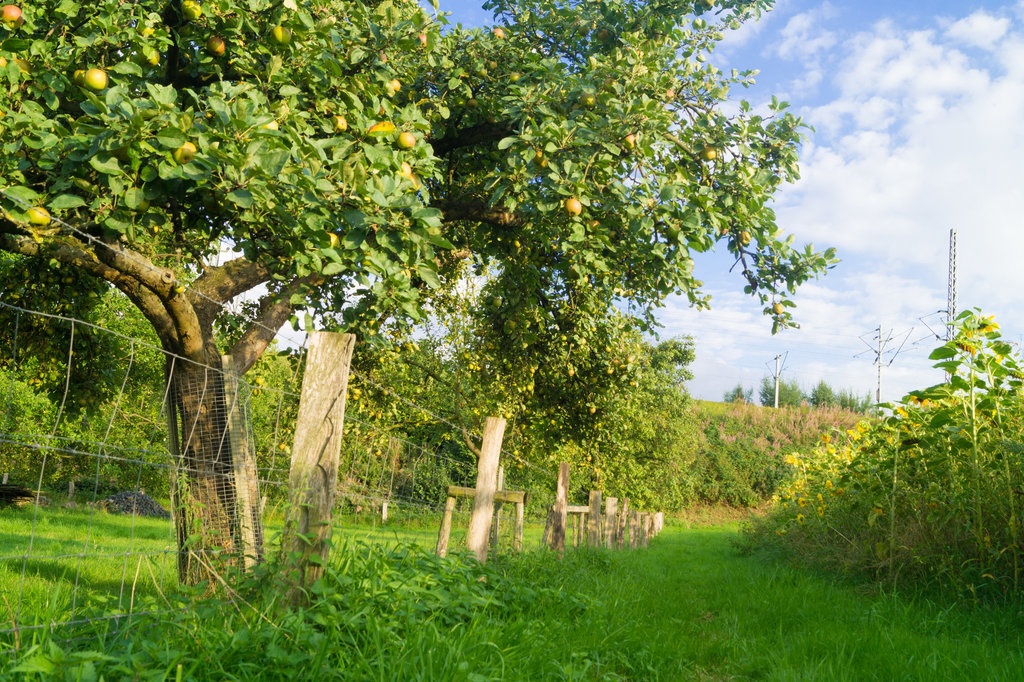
{"points": [[274, 312], [225, 282], [69, 254]]}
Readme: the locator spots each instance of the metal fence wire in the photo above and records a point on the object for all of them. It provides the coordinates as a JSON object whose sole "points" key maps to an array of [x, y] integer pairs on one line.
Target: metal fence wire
{"points": [[105, 463]]}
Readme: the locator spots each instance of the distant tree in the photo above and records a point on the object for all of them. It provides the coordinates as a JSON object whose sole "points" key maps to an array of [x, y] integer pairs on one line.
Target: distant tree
{"points": [[849, 400], [739, 395], [823, 395], [789, 393]]}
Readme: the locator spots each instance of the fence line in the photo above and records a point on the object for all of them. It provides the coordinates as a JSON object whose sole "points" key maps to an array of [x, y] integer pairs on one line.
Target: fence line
{"points": [[391, 488]]}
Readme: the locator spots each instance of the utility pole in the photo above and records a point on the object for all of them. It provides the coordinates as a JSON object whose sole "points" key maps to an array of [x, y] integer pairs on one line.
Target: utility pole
{"points": [[878, 361], [777, 381]]}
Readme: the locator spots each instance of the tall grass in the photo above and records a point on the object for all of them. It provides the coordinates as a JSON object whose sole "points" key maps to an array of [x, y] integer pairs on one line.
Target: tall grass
{"points": [[689, 607]]}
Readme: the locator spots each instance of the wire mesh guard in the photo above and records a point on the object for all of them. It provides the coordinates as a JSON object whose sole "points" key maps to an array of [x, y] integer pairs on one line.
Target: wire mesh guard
{"points": [[109, 467]]}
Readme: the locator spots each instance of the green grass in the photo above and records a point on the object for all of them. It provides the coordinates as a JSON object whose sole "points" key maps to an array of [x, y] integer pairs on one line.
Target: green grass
{"points": [[688, 607]]}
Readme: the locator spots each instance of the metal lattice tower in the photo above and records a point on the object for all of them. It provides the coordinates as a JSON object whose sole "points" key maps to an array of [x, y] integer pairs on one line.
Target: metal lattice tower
{"points": [[951, 291]]}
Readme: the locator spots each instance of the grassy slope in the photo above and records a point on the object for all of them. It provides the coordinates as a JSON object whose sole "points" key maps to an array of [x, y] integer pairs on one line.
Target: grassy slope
{"points": [[689, 607]]}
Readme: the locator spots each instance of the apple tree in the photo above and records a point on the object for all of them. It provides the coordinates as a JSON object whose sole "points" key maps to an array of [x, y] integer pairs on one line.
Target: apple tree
{"points": [[354, 160]]}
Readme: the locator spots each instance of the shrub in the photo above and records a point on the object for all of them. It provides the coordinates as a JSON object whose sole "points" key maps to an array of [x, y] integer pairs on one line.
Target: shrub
{"points": [[930, 495]]}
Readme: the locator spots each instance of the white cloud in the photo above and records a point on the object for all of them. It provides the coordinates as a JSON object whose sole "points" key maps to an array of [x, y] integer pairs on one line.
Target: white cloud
{"points": [[980, 29], [803, 36]]}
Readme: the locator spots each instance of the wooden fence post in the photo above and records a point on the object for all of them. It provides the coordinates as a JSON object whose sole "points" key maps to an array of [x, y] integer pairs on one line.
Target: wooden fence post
{"points": [[611, 507], [517, 537], [313, 479], [594, 519], [446, 527], [620, 528], [548, 523], [496, 526], [486, 480], [634, 529], [659, 523], [561, 503], [646, 523], [247, 493]]}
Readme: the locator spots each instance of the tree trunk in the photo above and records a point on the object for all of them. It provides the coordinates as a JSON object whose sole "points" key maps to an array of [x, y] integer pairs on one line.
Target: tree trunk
{"points": [[206, 518]]}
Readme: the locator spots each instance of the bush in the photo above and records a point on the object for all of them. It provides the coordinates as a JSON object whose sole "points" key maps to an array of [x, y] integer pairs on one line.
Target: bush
{"points": [[929, 496]]}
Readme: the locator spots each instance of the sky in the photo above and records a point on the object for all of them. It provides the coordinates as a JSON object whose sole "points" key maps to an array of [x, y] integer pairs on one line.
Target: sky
{"points": [[916, 109]]}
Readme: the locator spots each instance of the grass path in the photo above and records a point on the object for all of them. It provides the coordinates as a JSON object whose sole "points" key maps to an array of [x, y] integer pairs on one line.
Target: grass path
{"points": [[690, 607]]}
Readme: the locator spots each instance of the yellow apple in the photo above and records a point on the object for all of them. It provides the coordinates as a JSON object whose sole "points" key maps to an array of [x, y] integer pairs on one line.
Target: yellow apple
{"points": [[340, 124], [281, 35], [185, 153], [191, 10], [573, 206], [406, 140], [37, 215], [95, 79]]}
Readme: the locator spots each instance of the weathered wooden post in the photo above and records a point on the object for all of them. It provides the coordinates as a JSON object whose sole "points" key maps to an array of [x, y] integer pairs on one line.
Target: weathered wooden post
{"points": [[496, 527], [394, 449], [634, 529], [313, 479], [594, 519], [243, 464], [486, 480], [446, 527], [517, 537], [646, 522], [561, 503], [611, 508], [659, 523], [548, 524], [620, 528]]}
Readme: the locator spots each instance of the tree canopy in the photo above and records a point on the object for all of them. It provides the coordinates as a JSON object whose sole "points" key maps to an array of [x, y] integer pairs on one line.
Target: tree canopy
{"points": [[355, 163]]}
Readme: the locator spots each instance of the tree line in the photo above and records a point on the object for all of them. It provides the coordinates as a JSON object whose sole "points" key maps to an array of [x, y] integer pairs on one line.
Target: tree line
{"points": [[792, 395]]}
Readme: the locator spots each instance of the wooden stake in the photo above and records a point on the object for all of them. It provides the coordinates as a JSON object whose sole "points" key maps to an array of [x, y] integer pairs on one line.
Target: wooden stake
{"points": [[496, 528], [645, 529], [446, 527], [486, 481], [611, 508], [634, 529], [594, 520], [620, 527], [247, 493], [517, 538], [561, 502], [313, 479]]}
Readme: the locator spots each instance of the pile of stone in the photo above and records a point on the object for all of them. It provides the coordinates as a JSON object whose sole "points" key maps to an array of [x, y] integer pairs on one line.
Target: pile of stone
{"points": [[135, 503]]}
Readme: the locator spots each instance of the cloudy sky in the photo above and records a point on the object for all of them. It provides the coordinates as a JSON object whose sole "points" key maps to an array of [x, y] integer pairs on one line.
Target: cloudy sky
{"points": [[917, 110]]}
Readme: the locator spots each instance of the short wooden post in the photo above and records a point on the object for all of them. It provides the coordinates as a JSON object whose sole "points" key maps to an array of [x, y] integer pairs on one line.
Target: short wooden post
{"points": [[517, 537], [384, 511], [622, 525], [446, 527], [659, 523], [547, 527], [634, 529], [486, 481], [561, 503], [313, 479], [594, 519], [646, 522], [496, 527], [247, 493], [611, 508]]}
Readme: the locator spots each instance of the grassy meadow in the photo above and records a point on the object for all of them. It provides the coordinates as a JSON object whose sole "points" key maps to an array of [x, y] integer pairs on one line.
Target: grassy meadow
{"points": [[691, 606]]}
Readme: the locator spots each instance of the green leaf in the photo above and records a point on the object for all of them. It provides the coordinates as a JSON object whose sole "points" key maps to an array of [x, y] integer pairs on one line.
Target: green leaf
{"points": [[105, 163], [66, 201], [241, 197], [507, 142], [333, 268]]}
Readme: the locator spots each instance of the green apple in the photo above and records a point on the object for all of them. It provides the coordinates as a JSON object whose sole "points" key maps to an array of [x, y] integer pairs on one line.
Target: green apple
{"points": [[95, 79]]}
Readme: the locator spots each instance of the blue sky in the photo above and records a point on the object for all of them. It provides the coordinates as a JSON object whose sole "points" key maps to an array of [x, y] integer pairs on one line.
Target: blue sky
{"points": [[917, 108]]}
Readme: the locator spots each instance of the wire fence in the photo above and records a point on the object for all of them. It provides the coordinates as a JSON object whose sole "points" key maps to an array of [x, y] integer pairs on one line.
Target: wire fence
{"points": [[112, 448]]}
